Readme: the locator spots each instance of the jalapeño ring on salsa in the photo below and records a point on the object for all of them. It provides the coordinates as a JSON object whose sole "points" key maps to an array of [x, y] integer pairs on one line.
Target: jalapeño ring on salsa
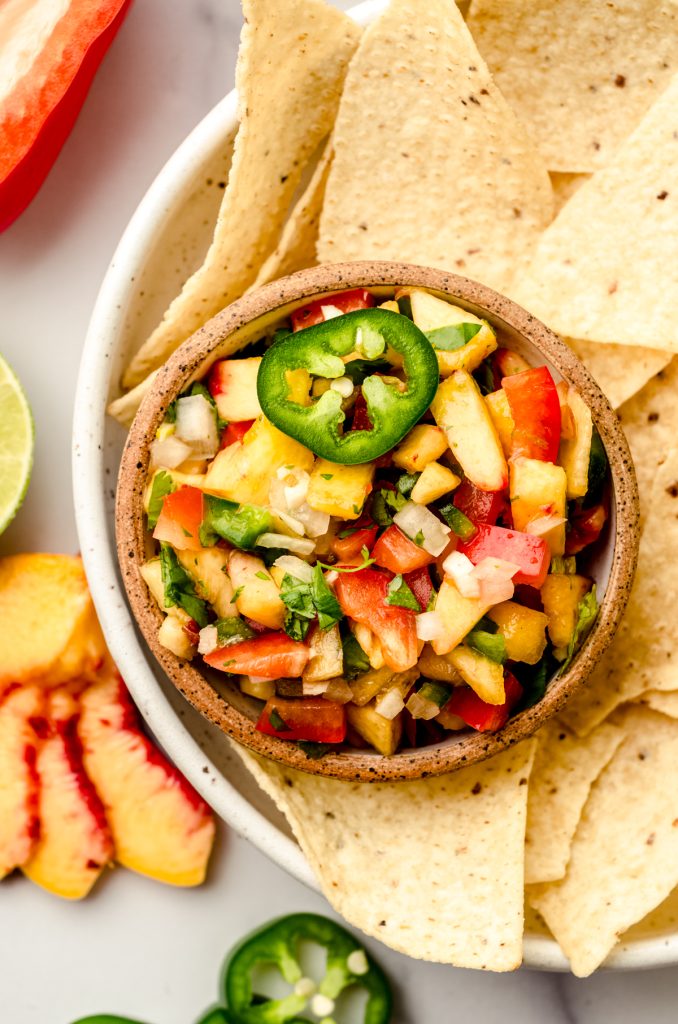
{"points": [[393, 406]]}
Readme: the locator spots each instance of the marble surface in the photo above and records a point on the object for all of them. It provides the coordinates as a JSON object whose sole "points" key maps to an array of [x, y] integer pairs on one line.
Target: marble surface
{"points": [[136, 947]]}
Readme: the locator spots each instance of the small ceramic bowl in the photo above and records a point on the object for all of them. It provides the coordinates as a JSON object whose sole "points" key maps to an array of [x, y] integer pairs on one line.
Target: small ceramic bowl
{"points": [[215, 694]]}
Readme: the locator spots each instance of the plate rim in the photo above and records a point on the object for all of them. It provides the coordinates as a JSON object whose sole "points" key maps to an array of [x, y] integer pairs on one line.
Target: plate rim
{"points": [[88, 480]]}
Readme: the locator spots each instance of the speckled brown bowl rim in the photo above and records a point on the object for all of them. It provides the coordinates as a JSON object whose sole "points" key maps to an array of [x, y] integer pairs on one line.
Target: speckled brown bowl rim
{"points": [[225, 334]]}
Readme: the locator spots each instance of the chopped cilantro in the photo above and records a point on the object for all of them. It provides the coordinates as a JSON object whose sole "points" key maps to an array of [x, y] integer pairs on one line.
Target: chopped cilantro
{"points": [[406, 483], [356, 661], [306, 600], [277, 721], [162, 486], [419, 538], [236, 594], [358, 369], [179, 587], [587, 610], [261, 575], [385, 503], [563, 565], [314, 751], [398, 593], [327, 476], [453, 336], [326, 604]]}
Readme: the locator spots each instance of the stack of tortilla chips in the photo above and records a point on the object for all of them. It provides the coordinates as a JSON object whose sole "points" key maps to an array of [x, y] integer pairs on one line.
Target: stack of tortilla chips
{"points": [[533, 147]]}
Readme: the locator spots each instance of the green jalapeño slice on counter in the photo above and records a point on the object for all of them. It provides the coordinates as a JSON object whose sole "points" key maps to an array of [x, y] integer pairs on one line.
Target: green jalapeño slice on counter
{"points": [[325, 351], [379, 521]]}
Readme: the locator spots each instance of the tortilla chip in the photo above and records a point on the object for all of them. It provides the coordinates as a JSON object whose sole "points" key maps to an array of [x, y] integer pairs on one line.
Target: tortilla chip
{"points": [[620, 370], [565, 185], [124, 409], [290, 72], [606, 270], [579, 77], [297, 246], [664, 703], [650, 422], [624, 857], [643, 655], [564, 770], [430, 165], [49, 628], [432, 868]]}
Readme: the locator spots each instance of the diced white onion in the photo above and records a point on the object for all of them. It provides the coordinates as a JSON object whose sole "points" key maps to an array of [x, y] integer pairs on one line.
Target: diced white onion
{"points": [[196, 425], [344, 385], [461, 569], [315, 523], [290, 521], [208, 640], [296, 491], [330, 311], [295, 567], [314, 689], [419, 707], [495, 569], [280, 540], [429, 626], [170, 452], [390, 705], [413, 519], [543, 524]]}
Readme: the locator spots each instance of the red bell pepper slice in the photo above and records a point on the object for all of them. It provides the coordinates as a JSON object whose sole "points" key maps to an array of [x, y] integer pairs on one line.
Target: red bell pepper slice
{"points": [[396, 552], [586, 526], [362, 596], [347, 302], [479, 506], [347, 549], [38, 113], [270, 655], [235, 432], [530, 553], [483, 717], [306, 718], [535, 407], [180, 518], [419, 582]]}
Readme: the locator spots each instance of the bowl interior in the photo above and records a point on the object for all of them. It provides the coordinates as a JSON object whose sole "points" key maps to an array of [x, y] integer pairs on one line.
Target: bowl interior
{"points": [[220, 699]]}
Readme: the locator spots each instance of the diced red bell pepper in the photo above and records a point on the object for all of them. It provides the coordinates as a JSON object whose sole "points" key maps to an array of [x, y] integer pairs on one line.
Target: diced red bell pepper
{"points": [[479, 506], [535, 408], [585, 527], [347, 302], [235, 432], [398, 553], [507, 363], [271, 656], [532, 554], [180, 518], [483, 717], [419, 582], [306, 718], [362, 596], [41, 107], [349, 548]]}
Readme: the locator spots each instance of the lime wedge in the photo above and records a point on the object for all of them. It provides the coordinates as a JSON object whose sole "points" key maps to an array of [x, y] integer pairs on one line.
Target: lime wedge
{"points": [[16, 444]]}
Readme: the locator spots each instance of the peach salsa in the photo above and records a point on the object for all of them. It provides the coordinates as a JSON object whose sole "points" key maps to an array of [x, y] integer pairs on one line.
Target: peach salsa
{"points": [[379, 521]]}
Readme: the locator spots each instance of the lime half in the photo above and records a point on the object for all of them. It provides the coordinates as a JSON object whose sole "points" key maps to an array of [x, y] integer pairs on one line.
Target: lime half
{"points": [[16, 444]]}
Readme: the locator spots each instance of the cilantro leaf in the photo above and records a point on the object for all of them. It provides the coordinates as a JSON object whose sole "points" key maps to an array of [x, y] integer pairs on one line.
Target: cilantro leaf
{"points": [[358, 369], [406, 483], [398, 593], [323, 597], [277, 721], [314, 751], [179, 587], [587, 612], [385, 504], [356, 661], [162, 486], [453, 336], [296, 596]]}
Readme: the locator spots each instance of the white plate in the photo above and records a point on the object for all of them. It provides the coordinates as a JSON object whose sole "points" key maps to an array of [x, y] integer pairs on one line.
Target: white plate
{"points": [[164, 241]]}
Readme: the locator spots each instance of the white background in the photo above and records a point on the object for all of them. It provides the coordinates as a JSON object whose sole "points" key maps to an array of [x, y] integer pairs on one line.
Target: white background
{"points": [[134, 946]]}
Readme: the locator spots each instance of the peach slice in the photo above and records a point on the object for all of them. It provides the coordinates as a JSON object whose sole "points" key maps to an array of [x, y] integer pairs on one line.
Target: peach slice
{"points": [[75, 841], [50, 633], [19, 819], [160, 825]]}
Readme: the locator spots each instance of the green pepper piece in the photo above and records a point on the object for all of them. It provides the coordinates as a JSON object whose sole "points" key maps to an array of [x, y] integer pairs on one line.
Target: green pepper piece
{"points": [[319, 349], [241, 525], [277, 943]]}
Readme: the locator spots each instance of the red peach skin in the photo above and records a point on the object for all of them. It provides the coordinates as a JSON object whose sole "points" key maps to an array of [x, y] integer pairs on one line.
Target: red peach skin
{"points": [[19, 819], [160, 825], [75, 843]]}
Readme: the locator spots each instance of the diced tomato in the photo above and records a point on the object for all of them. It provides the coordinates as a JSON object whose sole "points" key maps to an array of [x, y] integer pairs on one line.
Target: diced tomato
{"points": [[348, 548], [180, 518], [535, 408], [362, 596], [479, 715], [532, 554], [419, 582], [235, 432], [306, 718], [398, 553], [271, 656], [479, 506], [507, 363], [586, 525], [347, 302]]}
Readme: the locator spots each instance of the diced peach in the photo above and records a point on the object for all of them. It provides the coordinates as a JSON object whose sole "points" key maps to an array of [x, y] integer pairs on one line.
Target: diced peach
{"points": [[19, 818]]}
